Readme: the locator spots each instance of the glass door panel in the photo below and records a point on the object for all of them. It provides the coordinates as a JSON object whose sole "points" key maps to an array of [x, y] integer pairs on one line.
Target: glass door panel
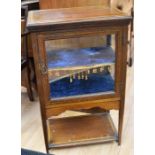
{"points": [[81, 66]]}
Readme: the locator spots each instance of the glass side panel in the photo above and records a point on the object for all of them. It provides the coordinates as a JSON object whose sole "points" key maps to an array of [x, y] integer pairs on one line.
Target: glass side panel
{"points": [[81, 66]]}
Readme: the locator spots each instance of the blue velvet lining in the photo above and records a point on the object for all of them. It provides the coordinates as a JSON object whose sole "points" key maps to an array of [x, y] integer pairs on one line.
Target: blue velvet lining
{"points": [[80, 57], [96, 83]]}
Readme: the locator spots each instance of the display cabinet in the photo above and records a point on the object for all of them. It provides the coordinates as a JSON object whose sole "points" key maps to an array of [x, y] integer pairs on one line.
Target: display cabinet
{"points": [[80, 61]]}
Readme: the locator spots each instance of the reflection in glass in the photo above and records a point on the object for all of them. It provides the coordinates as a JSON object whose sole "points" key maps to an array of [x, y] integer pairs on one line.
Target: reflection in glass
{"points": [[81, 66]]}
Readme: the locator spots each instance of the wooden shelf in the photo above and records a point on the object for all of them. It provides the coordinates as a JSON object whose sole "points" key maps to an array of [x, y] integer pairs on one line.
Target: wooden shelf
{"points": [[80, 130]]}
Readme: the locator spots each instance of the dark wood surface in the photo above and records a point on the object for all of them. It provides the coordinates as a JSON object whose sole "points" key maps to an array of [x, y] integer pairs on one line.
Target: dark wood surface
{"points": [[81, 130]]}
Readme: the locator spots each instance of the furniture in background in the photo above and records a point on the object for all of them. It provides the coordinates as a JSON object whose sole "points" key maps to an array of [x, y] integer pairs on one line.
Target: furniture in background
{"points": [[31, 4], [25, 62], [127, 6], [77, 69], [31, 81]]}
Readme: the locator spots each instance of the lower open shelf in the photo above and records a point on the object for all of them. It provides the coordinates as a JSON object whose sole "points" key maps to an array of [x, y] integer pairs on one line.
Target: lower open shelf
{"points": [[80, 130]]}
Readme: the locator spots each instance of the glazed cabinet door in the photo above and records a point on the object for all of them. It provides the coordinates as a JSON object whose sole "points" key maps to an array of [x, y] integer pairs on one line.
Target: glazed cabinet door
{"points": [[80, 66]]}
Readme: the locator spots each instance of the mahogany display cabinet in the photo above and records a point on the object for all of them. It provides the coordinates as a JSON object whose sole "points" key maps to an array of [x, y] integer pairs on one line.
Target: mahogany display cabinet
{"points": [[80, 61]]}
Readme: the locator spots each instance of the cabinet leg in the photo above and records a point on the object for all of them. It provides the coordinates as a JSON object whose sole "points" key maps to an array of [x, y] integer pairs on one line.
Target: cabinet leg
{"points": [[120, 125], [28, 84], [47, 151], [46, 144], [44, 125]]}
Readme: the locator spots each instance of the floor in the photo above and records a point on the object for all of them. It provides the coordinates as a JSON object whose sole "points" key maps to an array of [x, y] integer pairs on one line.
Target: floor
{"points": [[32, 134]]}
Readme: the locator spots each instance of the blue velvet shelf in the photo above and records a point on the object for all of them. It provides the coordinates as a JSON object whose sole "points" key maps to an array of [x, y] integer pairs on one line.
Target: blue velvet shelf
{"points": [[96, 83]]}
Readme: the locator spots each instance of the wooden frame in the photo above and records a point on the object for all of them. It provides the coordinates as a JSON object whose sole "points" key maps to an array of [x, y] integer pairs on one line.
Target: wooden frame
{"points": [[49, 108]]}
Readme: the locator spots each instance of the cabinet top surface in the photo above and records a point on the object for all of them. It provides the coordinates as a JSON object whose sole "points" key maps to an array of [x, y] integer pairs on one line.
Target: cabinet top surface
{"points": [[74, 15]]}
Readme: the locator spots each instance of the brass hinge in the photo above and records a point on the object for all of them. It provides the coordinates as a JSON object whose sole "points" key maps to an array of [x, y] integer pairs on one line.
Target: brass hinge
{"points": [[43, 68]]}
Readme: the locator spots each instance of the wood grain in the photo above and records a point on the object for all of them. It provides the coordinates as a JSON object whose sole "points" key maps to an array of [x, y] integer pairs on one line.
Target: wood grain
{"points": [[52, 4], [82, 42], [54, 111], [73, 15], [80, 130]]}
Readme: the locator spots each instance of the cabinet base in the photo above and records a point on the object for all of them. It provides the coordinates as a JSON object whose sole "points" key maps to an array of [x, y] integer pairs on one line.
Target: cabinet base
{"points": [[81, 130]]}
